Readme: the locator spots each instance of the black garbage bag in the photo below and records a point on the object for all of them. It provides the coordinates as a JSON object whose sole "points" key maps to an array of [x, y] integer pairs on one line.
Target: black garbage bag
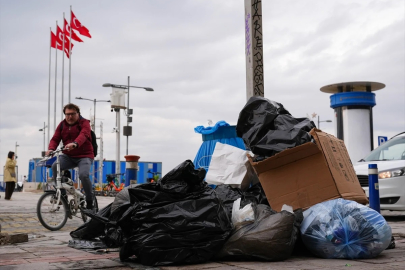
{"points": [[256, 193], [267, 128], [94, 227], [270, 237], [183, 179], [178, 220], [227, 194]]}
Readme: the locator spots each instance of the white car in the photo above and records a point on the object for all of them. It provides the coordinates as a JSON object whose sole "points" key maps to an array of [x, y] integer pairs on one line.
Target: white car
{"points": [[390, 160]]}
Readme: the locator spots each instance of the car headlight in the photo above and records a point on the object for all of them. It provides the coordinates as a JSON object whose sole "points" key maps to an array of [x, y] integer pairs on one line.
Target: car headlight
{"points": [[391, 173]]}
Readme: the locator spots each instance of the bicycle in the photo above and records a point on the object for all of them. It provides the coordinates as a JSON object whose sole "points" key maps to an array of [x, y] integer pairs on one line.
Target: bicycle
{"points": [[154, 178], [110, 186], [53, 209]]}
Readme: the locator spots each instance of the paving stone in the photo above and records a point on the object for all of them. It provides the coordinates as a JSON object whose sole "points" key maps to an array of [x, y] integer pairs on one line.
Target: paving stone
{"points": [[44, 242], [16, 256], [88, 264], [30, 266], [18, 238], [10, 249], [254, 265], [209, 265], [11, 262], [49, 260]]}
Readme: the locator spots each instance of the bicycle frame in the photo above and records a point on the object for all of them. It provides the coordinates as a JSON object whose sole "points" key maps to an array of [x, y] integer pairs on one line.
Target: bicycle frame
{"points": [[112, 184], [69, 188], [52, 207]]}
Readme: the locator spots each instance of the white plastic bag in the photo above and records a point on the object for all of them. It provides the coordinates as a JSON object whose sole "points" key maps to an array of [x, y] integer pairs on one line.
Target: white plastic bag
{"points": [[242, 215], [230, 165]]}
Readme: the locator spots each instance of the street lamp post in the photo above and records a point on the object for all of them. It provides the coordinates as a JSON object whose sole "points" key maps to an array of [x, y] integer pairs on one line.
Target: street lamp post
{"points": [[43, 129], [127, 130], [328, 121], [15, 153], [94, 126], [94, 101]]}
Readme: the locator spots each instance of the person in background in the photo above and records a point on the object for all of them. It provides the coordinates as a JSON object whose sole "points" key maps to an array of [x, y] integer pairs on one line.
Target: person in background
{"points": [[10, 175]]}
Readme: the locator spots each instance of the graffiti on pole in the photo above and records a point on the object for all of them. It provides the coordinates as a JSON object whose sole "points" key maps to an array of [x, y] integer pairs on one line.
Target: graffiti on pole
{"points": [[254, 48]]}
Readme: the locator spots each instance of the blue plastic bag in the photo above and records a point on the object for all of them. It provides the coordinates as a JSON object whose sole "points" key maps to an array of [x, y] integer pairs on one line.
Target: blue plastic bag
{"points": [[343, 229]]}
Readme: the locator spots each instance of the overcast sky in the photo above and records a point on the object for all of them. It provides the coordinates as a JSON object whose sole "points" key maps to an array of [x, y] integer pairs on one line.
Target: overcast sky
{"points": [[192, 54]]}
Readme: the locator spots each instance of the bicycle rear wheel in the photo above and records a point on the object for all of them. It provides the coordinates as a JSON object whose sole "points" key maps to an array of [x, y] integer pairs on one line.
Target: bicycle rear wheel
{"points": [[52, 216]]}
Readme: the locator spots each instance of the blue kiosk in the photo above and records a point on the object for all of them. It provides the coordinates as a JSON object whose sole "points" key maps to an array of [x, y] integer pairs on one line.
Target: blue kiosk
{"points": [[353, 103]]}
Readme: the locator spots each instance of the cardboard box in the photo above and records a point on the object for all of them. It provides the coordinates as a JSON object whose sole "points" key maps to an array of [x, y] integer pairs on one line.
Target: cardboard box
{"points": [[309, 174]]}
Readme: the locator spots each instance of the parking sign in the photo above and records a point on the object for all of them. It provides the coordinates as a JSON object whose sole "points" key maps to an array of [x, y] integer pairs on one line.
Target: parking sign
{"points": [[381, 140]]}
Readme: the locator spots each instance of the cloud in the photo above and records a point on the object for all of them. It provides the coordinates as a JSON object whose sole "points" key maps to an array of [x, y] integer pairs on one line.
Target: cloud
{"points": [[192, 54]]}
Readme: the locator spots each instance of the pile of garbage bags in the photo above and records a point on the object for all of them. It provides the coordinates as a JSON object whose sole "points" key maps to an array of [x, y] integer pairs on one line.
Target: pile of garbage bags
{"points": [[343, 229], [177, 220], [267, 128], [180, 219]]}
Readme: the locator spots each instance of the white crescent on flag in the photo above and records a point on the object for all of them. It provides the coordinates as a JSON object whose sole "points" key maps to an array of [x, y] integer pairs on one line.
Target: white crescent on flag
{"points": [[76, 23]]}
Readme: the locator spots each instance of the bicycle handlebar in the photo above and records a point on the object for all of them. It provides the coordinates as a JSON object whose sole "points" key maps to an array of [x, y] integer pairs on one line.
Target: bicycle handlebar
{"points": [[57, 151]]}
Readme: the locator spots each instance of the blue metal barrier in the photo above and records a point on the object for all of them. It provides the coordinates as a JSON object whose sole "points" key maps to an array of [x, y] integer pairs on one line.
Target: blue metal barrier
{"points": [[373, 188]]}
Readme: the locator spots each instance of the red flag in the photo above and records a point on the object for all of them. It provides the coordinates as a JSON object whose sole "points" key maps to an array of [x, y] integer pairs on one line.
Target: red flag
{"points": [[54, 42], [76, 25], [59, 39], [67, 32]]}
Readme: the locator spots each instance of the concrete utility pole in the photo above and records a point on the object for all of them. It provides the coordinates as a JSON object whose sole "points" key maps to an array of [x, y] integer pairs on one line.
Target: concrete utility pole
{"points": [[254, 49], [101, 157]]}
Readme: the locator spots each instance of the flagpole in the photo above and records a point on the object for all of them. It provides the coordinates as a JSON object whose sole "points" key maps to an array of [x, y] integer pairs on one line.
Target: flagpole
{"points": [[63, 63], [49, 82], [56, 73], [70, 50]]}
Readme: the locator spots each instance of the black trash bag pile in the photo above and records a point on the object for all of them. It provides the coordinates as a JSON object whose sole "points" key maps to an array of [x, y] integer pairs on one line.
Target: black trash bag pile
{"points": [[178, 220], [267, 128], [270, 237], [227, 194]]}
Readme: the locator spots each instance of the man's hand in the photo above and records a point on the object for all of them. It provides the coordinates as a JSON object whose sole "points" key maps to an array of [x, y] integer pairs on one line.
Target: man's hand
{"points": [[47, 153], [70, 146]]}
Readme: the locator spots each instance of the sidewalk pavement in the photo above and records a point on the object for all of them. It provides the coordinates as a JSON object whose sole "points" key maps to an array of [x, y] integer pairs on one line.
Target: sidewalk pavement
{"points": [[49, 250]]}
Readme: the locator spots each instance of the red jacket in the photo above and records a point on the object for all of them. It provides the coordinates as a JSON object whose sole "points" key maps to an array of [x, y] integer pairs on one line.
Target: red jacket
{"points": [[78, 132]]}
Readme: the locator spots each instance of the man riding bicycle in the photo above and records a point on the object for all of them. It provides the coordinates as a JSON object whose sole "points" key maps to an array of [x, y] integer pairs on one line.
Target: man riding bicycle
{"points": [[75, 133]]}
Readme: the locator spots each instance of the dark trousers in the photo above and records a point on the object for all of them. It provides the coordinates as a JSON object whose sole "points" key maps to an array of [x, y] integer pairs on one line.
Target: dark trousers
{"points": [[10, 186], [84, 165]]}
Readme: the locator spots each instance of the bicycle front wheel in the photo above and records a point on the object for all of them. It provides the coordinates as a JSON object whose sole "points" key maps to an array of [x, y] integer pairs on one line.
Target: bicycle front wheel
{"points": [[52, 216]]}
